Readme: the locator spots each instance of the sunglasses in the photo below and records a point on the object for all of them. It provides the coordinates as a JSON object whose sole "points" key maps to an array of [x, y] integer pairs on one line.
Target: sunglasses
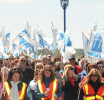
{"points": [[72, 68], [48, 70], [101, 66], [36, 74], [94, 75], [39, 67], [52, 65], [23, 60]]}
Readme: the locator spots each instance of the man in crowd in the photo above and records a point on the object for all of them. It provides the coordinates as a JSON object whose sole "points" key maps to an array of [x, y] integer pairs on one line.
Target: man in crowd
{"points": [[27, 72], [78, 69], [101, 67], [5, 63], [44, 60], [12, 64]]}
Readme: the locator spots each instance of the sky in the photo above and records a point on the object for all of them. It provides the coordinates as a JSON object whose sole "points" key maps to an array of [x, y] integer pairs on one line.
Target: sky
{"points": [[80, 16]]}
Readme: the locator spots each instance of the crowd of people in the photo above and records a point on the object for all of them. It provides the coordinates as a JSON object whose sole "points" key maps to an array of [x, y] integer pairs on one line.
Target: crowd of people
{"points": [[23, 78]]}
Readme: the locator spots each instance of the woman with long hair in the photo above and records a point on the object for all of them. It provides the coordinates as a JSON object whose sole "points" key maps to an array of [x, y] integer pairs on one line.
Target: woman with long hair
{"points": [[93, 86], [48, 88], [70, 83], [3, 77], [14, 89]]}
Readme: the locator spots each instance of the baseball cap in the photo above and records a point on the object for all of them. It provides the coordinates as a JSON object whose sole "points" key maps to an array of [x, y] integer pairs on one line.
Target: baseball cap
{"points": [[72, 58]]}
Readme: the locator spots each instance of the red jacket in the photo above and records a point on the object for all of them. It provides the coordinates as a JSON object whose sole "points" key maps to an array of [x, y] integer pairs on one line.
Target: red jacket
{"points": [[79, 69]]}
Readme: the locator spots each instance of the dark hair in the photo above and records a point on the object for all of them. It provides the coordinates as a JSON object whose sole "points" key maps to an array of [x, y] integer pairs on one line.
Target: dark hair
{"points": [[100, 62], [51, 62], [36, 73], [1, 60], [92, 65], [57, 58], [15, 70], [79, 59], [32, 65], [87, 65]]}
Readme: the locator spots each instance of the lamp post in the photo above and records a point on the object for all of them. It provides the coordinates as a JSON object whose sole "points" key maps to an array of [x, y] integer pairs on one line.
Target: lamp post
{"points": [[64, 5]]}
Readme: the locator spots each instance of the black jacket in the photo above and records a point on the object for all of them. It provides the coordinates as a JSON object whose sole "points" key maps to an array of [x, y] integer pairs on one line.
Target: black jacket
{"points": [[70, 91], [28, 75], [96, 85], [19, 88]]}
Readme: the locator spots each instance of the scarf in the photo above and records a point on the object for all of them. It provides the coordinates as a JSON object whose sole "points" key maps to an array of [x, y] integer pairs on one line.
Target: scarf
{"points": [[14, 91]]}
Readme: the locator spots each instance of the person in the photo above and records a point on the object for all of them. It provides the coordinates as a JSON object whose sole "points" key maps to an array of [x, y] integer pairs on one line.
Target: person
{"points": [[11, 58], [57, 58], [1, 63], [48, 88], [5, 63], [56, 68], [92, 88], [3, 77], [62, 70], [78, 69], [70, 83], [34, 63], [16, 61], [84, 72], [83, 62], [92, 65], [49, 58], [12, 64], [31, 65], [32, 86], [44, 60], [27, 72], [101, 67], [39, 66], [14, 89]]}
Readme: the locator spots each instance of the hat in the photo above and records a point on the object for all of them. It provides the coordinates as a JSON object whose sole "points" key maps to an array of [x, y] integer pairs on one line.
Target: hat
{"points": [[16, 60], [49, 56], [72, 58]]}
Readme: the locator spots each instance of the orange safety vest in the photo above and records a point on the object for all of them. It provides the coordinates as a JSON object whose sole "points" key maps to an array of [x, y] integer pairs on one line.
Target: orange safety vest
{"points": [[53, 89], [90, 93], [21, 92]]}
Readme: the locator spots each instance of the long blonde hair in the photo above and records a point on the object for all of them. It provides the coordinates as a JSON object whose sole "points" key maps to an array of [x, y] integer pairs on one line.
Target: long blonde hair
{"points": [[94, 71], [65, 73]]}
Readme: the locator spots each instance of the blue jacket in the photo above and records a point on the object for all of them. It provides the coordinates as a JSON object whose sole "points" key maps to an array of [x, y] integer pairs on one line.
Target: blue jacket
{"points": [[47, 81]]}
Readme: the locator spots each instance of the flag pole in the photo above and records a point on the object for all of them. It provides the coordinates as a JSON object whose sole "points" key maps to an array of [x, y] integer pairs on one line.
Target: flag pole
{"points": [[46, 54], [3, 82]]}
